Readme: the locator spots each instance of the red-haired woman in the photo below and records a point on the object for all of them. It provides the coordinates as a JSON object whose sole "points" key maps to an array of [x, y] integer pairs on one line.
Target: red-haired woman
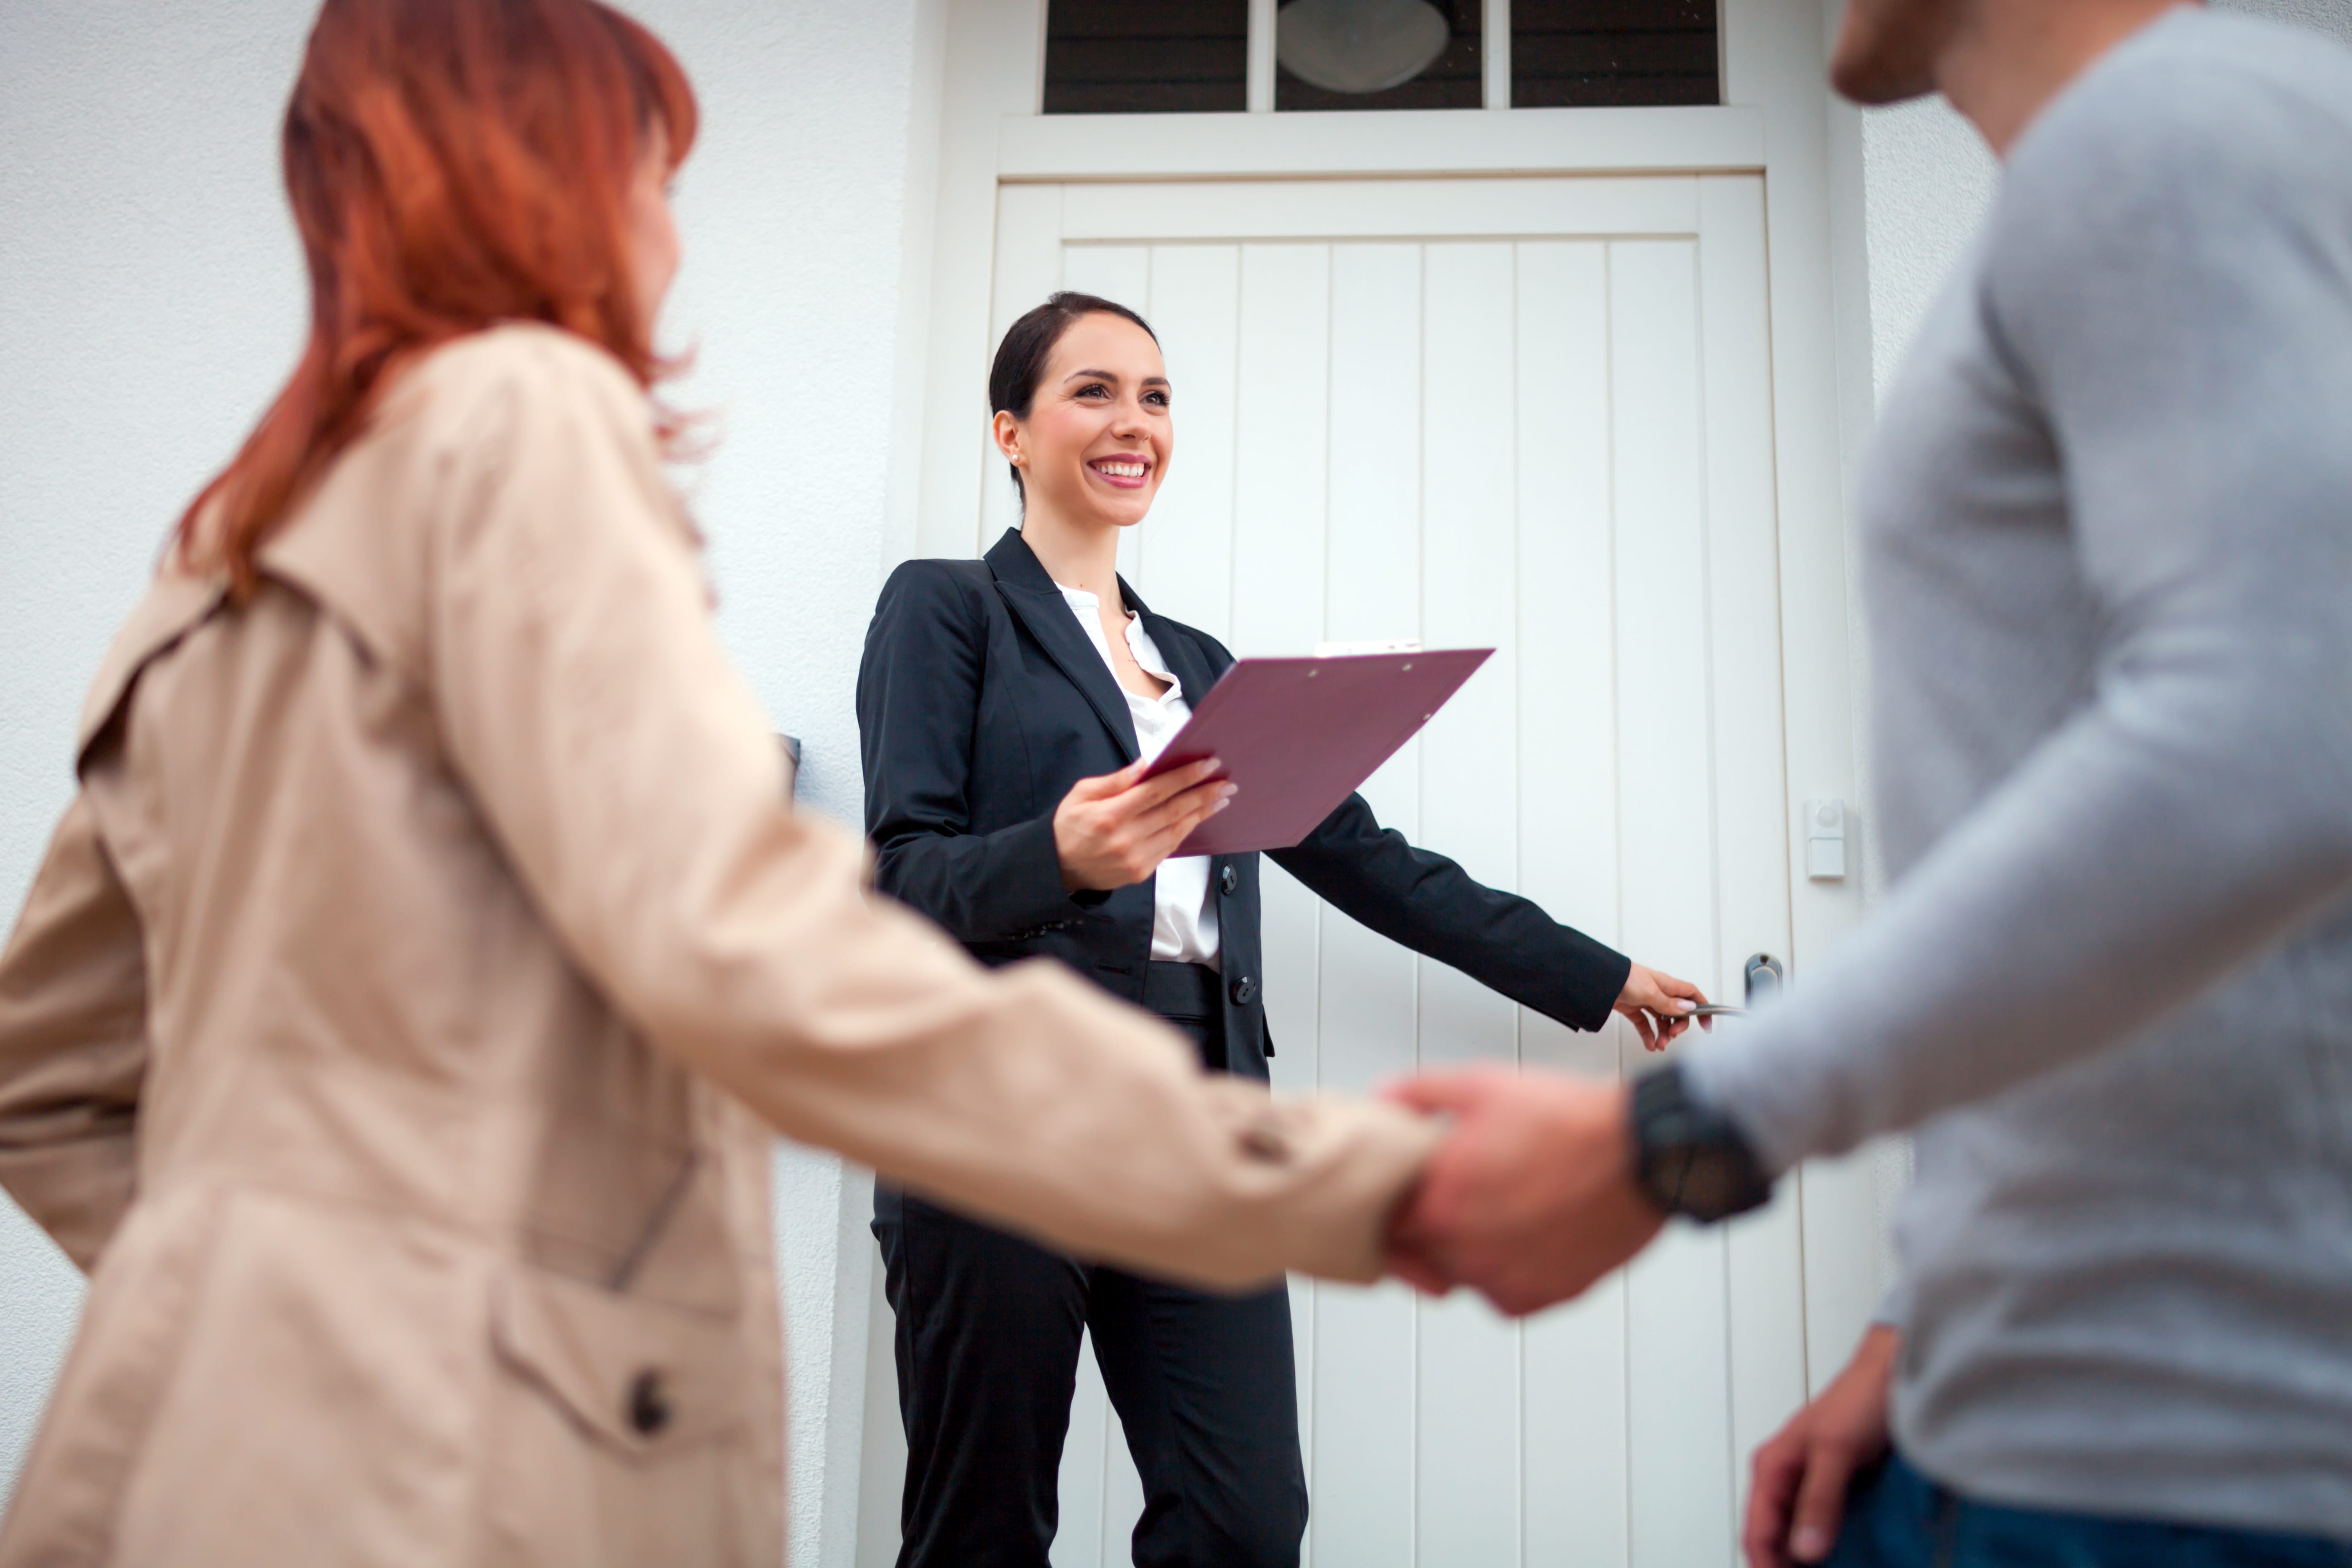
{"points": [[396, 1027]]}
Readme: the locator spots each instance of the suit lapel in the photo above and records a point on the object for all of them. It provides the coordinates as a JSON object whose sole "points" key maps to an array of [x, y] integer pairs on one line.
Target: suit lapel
{"points": [[1041, 607]]}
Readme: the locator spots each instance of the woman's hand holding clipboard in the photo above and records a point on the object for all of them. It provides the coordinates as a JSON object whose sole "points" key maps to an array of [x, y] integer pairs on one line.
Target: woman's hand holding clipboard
{"points": [[1299, 735]]}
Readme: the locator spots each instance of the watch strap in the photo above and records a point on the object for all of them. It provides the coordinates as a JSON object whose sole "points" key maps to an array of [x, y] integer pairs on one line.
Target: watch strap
{"points": [[1688, 1158]]}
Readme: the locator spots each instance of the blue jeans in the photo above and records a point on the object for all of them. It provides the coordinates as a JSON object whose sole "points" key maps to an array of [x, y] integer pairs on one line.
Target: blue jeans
{"points": [[1897, 1518]]}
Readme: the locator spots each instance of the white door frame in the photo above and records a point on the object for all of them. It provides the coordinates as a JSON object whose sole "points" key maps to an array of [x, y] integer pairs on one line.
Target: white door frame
{"points": [[1778, 119]]}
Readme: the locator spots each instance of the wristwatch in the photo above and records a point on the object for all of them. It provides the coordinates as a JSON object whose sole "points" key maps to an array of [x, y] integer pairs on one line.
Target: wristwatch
{"points": [[1690, 1160]]}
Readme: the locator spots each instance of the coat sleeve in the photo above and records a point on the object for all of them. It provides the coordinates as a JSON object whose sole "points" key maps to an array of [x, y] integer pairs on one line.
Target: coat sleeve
{"points": [[919, 693], [636, 788], [73, 1044], [1432, 906]]}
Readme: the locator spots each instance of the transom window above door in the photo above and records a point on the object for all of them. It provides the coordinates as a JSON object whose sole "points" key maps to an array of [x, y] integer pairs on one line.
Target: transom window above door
{"points": [[1206, 57]]}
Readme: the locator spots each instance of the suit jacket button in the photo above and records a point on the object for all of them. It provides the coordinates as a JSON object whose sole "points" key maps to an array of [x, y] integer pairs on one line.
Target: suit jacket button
{"points": [[649, 1409], [1246, 990], [1228, 880]]}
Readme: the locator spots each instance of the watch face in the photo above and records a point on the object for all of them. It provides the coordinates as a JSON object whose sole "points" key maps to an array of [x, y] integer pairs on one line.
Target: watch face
{"points": [[1691, 1161], [1710, 1188], [1703, 1181]]}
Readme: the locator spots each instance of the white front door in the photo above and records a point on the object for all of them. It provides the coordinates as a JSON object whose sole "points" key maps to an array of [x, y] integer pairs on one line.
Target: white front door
{"points": [[1534, 414]]}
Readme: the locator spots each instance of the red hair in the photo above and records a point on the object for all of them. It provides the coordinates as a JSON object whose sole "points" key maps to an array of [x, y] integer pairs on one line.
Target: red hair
{"points": [[451, 164]]}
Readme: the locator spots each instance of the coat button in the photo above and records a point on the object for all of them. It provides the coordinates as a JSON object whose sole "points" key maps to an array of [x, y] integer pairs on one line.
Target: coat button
{"points": [[649, 1409], [1246, 990], [1228, 880]]}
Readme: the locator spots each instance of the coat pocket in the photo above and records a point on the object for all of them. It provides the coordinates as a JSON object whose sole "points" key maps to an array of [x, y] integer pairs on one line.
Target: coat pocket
{"points": [[639, 1377]]}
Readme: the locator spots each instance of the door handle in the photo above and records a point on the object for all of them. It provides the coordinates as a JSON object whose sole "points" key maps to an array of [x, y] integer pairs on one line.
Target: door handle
{"points": [[1763, 976]]}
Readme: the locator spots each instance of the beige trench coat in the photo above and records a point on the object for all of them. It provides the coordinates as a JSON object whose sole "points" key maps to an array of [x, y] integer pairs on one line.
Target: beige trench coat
{"points": [[396, 1029]]}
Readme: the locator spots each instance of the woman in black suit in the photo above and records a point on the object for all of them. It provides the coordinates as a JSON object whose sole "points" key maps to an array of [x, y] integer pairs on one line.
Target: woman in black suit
{"points": [[1007, 707]]}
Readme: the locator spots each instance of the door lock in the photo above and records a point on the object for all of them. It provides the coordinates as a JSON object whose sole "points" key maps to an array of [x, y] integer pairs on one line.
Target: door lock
{"points": [[1763, 976]]}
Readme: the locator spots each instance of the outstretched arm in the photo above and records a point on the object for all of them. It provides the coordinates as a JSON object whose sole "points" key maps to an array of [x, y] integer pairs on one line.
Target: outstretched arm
{"points": [[1430, 904]]}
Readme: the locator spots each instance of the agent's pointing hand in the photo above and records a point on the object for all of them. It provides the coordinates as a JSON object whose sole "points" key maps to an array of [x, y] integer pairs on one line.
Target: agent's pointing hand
{"points": [[1658, 1004]]}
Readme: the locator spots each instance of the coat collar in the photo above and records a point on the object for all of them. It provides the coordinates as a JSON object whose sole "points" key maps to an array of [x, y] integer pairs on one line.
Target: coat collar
{"points": [[175, 603], [1022, 579]]}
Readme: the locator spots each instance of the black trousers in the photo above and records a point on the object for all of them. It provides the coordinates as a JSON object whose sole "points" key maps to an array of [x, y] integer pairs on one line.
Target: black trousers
{"points": [[987, 1341]]}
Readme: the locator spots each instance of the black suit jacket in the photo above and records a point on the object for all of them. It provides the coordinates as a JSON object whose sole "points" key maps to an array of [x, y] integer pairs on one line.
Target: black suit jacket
{"points": [[980, 701]]}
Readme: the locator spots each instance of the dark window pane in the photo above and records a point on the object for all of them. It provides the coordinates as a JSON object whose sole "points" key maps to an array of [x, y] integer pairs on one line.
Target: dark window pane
{"points": [[1455, 79], [1146, 57], [1568, 53]]}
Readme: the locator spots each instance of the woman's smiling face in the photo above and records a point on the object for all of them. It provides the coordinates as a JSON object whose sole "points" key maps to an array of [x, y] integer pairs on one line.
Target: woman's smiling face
{"points": [[1099, 436]]}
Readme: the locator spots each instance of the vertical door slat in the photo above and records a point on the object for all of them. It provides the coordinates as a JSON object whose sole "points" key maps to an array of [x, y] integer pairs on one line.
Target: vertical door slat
{"points": [[1468, 1432], [1574, 1421], [1185, 548], [1363, 1477], [1280, 425], [1679, 1417], [1122, 1495], [1079, 1541], [1373, 586], [1763, 1250], [1273, 602]]}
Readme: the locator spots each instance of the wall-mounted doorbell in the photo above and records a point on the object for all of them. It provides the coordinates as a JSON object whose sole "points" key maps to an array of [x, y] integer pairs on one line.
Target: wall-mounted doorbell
{"points": [[1825, 840]]}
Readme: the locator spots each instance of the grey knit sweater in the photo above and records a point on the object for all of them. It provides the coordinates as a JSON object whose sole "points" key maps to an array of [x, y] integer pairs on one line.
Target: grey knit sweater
{"points": [[2108, 530]]}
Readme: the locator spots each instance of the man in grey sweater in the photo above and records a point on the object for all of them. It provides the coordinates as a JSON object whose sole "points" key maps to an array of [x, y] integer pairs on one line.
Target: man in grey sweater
{"points": [[2108, 534]]}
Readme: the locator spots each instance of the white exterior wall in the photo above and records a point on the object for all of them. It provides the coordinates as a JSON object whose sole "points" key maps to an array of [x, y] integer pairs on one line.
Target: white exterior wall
{"points": [[151, 298]]}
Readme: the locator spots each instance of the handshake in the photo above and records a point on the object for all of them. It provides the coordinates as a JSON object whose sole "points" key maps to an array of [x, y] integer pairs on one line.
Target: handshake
{"points": [[1532, 1197]]}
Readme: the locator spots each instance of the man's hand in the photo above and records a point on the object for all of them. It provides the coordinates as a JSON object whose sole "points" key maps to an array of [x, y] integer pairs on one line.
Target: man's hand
{"points": [[1531, 1197], [1115, 830], [1798, 1494], [1656, 1004]]}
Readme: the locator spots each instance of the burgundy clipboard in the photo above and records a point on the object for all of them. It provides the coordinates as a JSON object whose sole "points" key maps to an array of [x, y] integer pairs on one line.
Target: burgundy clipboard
{"points": [[1298, 734]]}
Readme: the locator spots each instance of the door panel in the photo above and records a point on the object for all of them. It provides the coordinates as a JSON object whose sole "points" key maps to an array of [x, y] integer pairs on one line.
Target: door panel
{"points": [[1535, 414]]}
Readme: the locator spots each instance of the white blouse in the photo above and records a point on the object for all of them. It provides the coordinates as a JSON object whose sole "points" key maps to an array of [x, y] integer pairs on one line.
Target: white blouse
{"points": [[1183, 911]]}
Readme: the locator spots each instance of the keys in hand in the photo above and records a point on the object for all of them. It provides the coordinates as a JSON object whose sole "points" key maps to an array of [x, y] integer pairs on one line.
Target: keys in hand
{"points": [[1659, 1006]]}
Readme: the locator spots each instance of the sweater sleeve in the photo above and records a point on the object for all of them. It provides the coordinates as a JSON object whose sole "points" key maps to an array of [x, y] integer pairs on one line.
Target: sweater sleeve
{"points": [[634, 785], [2175, 299]]}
